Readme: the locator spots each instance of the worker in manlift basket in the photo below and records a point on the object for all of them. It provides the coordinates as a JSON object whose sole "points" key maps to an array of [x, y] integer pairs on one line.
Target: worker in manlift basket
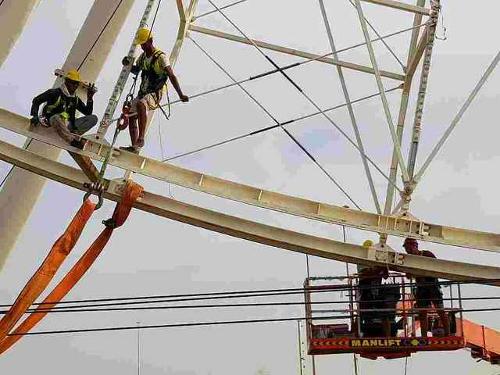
{"points": [[377, 301], [60, 110], [427, 292], [155, 70]]}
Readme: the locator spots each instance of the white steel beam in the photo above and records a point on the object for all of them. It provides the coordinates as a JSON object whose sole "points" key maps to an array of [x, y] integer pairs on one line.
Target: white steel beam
{"points": [[21, 190], [185, 18], [256, 232], [398, 226], [350, 108], [401, 6], [13, 17], [418, 53], [383, 97], [422, 90], [403, 109], [294, 52], [122, 77], [458, 116]]}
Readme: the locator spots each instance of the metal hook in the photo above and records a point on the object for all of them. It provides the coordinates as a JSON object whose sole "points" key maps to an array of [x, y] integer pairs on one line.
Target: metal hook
{"points": [[96, 188]]}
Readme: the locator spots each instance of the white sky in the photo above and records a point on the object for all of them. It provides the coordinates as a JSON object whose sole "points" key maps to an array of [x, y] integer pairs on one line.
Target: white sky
{"points": [[151, 255]]}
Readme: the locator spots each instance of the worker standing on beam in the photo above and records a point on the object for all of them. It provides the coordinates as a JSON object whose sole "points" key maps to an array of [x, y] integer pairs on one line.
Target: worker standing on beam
{"points": [[60, 110], [155, 70]]}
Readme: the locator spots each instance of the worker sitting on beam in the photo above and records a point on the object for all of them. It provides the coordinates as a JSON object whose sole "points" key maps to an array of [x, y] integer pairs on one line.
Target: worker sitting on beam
{"points": [[155, 71], [60, 110]]}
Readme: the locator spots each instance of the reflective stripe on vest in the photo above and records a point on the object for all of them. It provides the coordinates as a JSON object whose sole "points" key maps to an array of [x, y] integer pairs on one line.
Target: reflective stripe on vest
{"points": [[52, 109]]}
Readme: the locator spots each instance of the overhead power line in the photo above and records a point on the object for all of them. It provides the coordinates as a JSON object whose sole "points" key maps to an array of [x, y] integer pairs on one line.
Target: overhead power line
{"points": [[199, 324]]}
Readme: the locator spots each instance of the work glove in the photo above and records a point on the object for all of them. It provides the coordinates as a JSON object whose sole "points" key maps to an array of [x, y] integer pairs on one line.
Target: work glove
{"points": [[91, 90]]}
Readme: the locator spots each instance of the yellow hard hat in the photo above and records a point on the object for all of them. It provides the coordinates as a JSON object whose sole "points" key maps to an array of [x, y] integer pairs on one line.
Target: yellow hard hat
{"points": [[73, 75], [143, 35], [368, 243]]}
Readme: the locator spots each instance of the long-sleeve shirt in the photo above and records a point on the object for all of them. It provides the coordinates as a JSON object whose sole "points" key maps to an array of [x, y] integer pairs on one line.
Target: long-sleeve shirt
{"points": [[58, 102]]}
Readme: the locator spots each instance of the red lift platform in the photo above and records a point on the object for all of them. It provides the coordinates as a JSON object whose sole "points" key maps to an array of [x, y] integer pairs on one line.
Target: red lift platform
{"points": [[351, 324]]}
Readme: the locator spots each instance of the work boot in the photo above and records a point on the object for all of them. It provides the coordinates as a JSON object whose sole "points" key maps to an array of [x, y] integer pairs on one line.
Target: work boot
{"points": [[133, 149]]}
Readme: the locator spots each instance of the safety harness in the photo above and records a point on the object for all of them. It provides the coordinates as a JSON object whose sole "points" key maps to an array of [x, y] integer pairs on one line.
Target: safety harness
{"points": [[153, 77]]}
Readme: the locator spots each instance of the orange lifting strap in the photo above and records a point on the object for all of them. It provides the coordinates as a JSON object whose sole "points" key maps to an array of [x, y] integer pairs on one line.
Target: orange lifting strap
{"points": [[54, 259]]}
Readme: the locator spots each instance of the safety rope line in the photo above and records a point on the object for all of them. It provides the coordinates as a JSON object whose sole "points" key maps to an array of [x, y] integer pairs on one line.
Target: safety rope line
{"points": [[38, 284], [294, 139], [312, 102]]}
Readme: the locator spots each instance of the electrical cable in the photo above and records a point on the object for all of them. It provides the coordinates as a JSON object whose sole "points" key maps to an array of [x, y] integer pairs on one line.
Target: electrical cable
{"points": [[99, 36], [267, 128], [294, 139], [95, 308], [158, 300], [245, 293], [12, 168], [197, 324], [291, 81], [286, 67], [223, 7]]}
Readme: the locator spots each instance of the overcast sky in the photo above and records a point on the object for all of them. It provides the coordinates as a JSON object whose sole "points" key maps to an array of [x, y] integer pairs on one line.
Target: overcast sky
{"points": [[152, 255]]}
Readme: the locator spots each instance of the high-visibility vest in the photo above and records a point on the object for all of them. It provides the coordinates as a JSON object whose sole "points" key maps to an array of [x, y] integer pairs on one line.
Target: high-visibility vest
{"points": [[62, 106], [153, 76]]}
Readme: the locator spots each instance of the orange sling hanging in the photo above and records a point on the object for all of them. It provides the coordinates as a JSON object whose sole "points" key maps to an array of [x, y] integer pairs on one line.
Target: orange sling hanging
{"points": [[42, 277], [131, 194]]}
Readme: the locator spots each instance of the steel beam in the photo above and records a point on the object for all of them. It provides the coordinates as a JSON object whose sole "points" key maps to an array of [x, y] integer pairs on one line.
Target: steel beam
{"points": [[458, 116], [403, 109], [391, 225], [401, 6], [256, 232], [381, 89], [350, 108], [21, 190], [13, 17], [294, 52], [417, 55], [422, 90], [122, 77]]}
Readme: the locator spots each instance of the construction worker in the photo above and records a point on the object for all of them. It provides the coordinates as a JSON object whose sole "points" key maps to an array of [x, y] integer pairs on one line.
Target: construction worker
{"points": [[60, 110], [155, 70], [373, 296], [427, 292]]}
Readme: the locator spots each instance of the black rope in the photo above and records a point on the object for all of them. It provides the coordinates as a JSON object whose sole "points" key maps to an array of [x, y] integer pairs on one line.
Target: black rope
{"points": [[106, 308], [25, 147], [294, 139], [223, 7], [198, 324], [99, 36], [242, 294], [174, 325], [267, 128]]}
